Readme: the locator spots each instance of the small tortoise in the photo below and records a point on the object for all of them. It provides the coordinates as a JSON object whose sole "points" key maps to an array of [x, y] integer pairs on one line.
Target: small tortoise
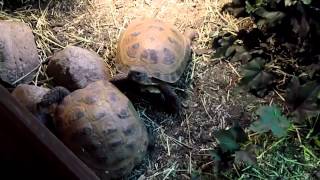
{"points": [[154, 54], [29, 96], [101, 126]]}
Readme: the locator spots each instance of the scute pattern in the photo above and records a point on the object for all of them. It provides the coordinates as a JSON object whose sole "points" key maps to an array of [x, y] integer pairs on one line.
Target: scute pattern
{"points": [[106, 133], [149, 56], [159, 49], [169, 57]]}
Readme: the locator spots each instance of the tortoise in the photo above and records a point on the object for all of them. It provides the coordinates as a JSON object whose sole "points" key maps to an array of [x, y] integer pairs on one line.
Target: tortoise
{"points": [[101, 126], [75, 67], [154, 54], [29, 96]]}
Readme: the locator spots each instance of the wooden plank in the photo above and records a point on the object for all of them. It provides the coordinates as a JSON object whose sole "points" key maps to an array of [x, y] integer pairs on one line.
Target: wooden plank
{"points": [[29, 150]]}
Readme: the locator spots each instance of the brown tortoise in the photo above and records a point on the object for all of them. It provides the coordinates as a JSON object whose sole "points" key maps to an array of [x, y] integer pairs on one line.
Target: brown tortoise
{"points": [[101, 126], [154, 54]]}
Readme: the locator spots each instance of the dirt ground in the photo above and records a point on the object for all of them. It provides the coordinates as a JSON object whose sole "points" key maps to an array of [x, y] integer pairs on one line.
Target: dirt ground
{"points": [[213, 101]]}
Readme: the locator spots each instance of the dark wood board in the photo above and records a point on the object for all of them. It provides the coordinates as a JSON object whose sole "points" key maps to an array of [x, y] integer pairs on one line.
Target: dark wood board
{"points": [[28, 150]]}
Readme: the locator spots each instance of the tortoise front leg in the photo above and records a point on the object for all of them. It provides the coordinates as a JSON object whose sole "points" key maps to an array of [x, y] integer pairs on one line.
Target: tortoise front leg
{"points": [[172, 101]]}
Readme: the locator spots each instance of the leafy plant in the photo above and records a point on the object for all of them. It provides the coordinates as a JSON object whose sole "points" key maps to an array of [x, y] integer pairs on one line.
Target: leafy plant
{"points": [[229, 139], [229, 143], [271, 119], [284, 45], [282, 53], [255, 78], [303, 99]]}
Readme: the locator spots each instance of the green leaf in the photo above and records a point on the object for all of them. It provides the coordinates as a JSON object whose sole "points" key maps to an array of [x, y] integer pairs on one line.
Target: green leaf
{"points": [[307, 2], [250, 8], [222, 44], [303, 99], [270, 18], [272, 15], [255, 78], [237, 53], [251, 70], [271, 119], [229, 139], [290, 2], [244, 57], [230, 51], [215, 155], [300, 26], [220, 52]]}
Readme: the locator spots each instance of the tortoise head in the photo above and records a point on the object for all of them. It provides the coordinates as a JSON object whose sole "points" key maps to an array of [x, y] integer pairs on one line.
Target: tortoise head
{"points": [[140, 77], [52, 99]]}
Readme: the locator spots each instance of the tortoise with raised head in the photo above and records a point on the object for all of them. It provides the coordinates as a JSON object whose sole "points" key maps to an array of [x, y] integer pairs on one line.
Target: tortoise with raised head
{"points": [[154, 54], [101, 126]]}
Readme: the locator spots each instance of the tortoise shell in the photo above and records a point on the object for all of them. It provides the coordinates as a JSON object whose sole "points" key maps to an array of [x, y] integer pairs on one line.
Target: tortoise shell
{"points": [[29, 95], [101, 126], [155, 48]]}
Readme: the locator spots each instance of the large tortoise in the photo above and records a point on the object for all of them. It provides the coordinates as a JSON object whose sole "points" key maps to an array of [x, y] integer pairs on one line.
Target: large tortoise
{"points": [[101, 126], [154, 54]]}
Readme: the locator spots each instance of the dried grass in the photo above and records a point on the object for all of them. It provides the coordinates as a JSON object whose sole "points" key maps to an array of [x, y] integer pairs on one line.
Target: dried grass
{"points": [[97, 24]]}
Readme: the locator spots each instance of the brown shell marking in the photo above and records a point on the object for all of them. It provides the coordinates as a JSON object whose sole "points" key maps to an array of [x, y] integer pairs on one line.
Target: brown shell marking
{"points": [[164, 58], [149, 56], [169, 57], [159, 28], [135, 33], [106, 132], [132, 50]]}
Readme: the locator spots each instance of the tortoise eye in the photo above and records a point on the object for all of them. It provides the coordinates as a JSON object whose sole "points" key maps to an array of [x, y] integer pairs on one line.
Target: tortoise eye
{"points": [[153, 56], [140, 75]]}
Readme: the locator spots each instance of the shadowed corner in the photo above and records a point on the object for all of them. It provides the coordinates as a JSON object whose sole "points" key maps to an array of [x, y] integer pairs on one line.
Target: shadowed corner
{"points": [[7, 85]]}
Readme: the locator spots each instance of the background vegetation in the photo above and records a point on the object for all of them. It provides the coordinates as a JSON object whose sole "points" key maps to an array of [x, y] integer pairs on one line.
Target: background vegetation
{"points": [[280, 54]]}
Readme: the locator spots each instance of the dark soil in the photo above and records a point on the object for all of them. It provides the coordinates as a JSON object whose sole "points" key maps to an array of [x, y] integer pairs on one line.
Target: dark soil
{"points": [[213, 102]]}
